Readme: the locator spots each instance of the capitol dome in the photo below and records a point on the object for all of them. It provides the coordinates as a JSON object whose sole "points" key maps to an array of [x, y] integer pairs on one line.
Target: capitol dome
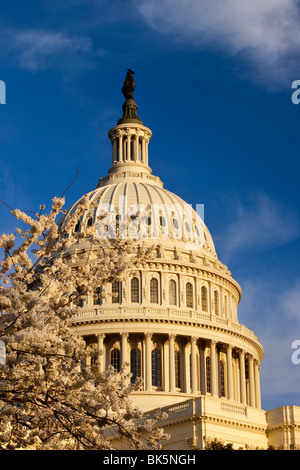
{"points": [[175, 319], [152, 214]]}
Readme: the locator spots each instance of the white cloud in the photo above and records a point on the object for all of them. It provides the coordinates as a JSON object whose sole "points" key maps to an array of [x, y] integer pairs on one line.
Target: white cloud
{"points": [[274, 310], [257, 224], [267, 32], [37, 50]]}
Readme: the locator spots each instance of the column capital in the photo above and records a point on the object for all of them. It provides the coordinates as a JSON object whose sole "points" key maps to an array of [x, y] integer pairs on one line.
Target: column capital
{"points": [[100, 335]]}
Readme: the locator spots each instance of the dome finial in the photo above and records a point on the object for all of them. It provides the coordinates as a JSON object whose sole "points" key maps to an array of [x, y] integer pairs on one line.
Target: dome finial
{"points": [[129, 85], [130, 106]]}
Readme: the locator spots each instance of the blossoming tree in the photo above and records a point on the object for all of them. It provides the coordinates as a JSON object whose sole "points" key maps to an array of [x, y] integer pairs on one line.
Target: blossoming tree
{"points": [[49, 398]]}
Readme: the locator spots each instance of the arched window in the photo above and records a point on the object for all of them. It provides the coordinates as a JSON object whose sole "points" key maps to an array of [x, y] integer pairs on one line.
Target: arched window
{"points": [[204, 298], [177, 370], [156, 367], [135, 290], [172, 292], [222, 378], [135, 364], [208, 375], [97, 296], [154, 291], [216, 301], [189, 295], [115, 358]]}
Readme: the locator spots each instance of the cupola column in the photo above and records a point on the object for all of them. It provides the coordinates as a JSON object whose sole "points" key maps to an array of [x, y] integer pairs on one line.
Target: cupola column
{"points": [[120, 147], [128, 143]]}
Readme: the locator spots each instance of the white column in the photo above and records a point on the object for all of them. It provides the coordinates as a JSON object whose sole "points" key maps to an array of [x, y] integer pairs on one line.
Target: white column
{"points": [[202, 370], [136, 148], [128, 147], [100, 349], [146, 151], [124, 359], [194, 365], [143, 150], [187, 372], [257, 385], [243, 377], [229, 372], [124, 339], [213, 367], [120, 148], [172, 363], [148, 374]]}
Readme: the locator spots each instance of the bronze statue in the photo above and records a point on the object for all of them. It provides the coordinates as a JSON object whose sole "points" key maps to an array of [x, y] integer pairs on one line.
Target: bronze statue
{"points": [[129, 107], [129, 85]]}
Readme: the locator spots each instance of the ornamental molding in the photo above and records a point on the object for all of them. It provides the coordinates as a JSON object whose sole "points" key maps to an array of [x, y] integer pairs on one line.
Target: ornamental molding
{"points": [[253, 343]]}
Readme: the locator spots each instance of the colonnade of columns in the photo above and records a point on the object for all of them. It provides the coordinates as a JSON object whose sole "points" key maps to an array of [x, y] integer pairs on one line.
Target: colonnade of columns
{"points": [[130, 145], [194, 371]]}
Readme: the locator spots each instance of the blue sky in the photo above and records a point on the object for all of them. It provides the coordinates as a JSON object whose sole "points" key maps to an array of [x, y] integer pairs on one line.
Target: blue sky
{"points": [[213, 82]]}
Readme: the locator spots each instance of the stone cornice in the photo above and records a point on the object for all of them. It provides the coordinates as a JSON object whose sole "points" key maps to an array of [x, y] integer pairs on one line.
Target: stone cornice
{"points": [[122, 315]]}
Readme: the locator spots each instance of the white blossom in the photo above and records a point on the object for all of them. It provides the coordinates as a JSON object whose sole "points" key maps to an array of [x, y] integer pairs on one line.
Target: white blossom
{"points": [[48, 400]]}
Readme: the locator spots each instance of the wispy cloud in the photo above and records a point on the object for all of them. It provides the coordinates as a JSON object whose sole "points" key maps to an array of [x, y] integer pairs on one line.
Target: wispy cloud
{"points": [[267, 33], [274, 310], [37, 50], [256, 223]]}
